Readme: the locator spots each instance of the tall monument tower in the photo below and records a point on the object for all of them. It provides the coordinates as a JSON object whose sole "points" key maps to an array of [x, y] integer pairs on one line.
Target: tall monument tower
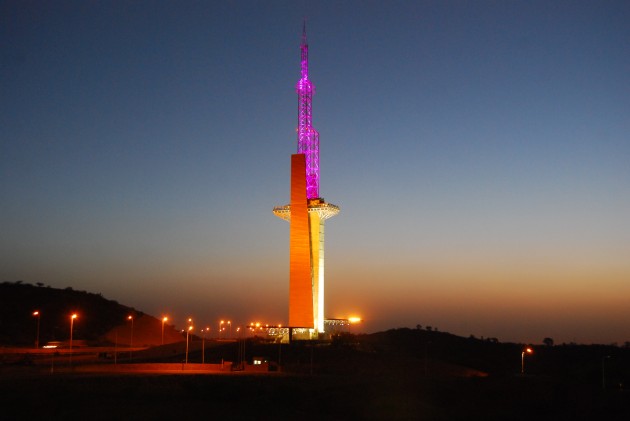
{"points": [[306, 214]]}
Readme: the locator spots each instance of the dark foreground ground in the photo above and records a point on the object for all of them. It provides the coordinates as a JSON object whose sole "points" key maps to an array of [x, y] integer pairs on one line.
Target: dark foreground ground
{"points": [[382, 396]]}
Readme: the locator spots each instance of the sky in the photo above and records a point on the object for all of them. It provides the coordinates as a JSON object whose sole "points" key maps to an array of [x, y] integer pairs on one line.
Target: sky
{"points": [[479, 152]]}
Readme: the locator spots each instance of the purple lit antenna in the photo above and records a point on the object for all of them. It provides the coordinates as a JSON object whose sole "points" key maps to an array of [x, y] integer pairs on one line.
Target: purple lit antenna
{"points": [[308, 137]]}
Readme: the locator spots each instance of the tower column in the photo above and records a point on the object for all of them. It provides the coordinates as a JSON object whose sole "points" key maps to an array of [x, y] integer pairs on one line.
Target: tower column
{"points": [[300, 251], [318, 289]]}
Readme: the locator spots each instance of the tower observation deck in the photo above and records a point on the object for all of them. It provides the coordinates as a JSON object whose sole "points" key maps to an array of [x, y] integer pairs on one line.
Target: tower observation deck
{"points": [[306, 214]]}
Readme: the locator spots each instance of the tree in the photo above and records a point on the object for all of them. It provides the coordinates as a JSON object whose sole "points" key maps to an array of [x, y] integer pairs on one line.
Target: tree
{"points": [[548, 341]]}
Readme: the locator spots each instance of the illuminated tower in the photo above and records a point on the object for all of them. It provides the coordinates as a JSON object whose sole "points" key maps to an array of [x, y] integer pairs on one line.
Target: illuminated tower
{"points": [[306, 214]]}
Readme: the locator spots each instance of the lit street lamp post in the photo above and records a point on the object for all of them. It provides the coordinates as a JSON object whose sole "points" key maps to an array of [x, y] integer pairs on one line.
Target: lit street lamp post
{"points": [[527, 350], [203, 344], [164, 319], [230, 324], [220, 328], [74, 316], [131, 338], [187, 332], [38, 315]]}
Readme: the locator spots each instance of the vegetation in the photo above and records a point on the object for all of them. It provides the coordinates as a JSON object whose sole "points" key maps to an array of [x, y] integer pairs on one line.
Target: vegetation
{"points": [[18, 301]]}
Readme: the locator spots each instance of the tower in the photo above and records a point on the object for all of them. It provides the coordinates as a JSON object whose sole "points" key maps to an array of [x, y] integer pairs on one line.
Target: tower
{"points": [[306, 214]]}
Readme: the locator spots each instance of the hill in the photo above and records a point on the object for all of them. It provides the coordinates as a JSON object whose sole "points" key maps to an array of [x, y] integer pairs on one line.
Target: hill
{"points": [[101, 321]]}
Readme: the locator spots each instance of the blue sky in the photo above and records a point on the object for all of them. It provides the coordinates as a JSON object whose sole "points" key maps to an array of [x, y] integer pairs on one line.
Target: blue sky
{"points": [[478, 150]]}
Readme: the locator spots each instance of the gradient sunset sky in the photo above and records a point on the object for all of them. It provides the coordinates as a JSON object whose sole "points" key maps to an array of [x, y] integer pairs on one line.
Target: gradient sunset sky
{"points": [[479, 151]]}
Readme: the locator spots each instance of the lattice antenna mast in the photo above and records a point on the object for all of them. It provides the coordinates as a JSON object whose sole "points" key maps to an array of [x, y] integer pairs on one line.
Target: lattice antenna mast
{"points": [[307, 136]]}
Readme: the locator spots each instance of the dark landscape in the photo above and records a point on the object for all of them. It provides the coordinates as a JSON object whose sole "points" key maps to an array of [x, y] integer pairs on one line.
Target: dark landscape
{"points": [[404, 373]]}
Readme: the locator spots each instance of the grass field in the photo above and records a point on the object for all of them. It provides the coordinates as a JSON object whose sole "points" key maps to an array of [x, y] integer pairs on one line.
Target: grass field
{"points": [[387, 395]]}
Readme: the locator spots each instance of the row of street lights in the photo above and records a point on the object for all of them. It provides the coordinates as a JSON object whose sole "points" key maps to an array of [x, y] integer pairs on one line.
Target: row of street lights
{"points": [[221, 328], [74, 316], [204, 331], [228, 323], [38, 314], [130, 318], [189, 330], [527, 350]]}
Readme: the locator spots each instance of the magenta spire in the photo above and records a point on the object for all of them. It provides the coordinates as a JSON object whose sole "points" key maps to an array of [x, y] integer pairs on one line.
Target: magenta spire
{"points": [[304, 53], [308, 137]]}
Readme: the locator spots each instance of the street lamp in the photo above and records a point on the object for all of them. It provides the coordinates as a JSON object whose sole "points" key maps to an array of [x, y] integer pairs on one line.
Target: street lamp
{"points": [[527, 350], [38, 315], [164, 319], [220, 328], [74, 316], [187, 332], [131, 337], [130, 317], [203, 344], [230, 324]]}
